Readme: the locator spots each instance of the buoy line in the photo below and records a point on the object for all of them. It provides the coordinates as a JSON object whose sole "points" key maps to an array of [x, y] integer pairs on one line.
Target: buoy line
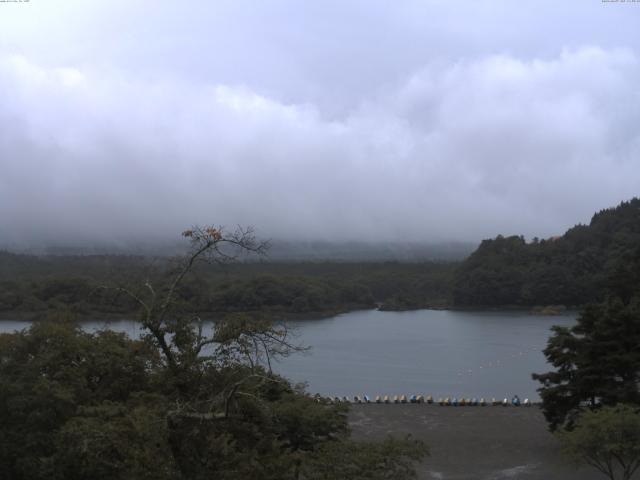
{"points": [[500, 362]]}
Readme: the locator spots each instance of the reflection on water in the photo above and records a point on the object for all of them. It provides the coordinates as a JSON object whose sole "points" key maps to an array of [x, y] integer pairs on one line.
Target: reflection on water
{"points": [[442, 353]]}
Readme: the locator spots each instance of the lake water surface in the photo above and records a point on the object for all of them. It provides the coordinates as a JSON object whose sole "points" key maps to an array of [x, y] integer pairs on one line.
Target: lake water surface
{"points": [[442, 353]]}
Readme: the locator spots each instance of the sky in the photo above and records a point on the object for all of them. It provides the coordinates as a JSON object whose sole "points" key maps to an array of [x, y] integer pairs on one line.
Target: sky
{"points": [[421, 121]]}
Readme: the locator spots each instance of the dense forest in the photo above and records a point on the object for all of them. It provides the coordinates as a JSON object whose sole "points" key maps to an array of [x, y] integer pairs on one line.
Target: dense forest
{"points": [[570, 270], [31, 285]]}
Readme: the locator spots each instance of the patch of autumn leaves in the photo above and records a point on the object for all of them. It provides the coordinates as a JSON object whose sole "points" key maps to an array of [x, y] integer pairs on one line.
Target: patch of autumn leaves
{"points": [[208, 233]]}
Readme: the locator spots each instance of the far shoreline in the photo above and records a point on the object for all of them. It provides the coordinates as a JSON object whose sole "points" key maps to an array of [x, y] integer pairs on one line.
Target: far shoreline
{"points": [[21, 316]]}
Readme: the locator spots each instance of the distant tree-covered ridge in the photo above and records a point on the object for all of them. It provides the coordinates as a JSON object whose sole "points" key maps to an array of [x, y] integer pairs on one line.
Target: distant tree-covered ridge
{"points": [[32, 285], [569, 270]]}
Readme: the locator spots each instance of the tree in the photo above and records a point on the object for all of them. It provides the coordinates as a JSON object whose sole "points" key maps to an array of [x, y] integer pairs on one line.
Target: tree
{"points": [[570, 269], [181, 339], [49, 375], [597, 362], [391, 459], [182, 403], [607, 439]]}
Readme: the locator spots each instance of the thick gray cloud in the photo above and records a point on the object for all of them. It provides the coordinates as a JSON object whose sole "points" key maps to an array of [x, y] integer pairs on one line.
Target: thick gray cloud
{"points": [[345, 120]]}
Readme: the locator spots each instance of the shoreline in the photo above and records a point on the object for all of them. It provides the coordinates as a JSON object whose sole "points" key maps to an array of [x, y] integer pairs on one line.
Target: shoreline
{"points": [[21, 316]]}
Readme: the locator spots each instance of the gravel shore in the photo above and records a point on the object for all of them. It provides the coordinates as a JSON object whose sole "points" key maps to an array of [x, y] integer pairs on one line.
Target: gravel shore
{"points": [[483, 443]]}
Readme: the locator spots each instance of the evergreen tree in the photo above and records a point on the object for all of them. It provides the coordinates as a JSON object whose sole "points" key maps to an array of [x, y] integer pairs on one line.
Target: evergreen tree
{"points": [[597, 362], [570, 269]]}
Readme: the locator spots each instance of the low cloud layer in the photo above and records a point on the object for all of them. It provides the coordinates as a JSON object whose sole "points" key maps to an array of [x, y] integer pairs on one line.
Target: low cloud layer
{"points": [[458, 148]]}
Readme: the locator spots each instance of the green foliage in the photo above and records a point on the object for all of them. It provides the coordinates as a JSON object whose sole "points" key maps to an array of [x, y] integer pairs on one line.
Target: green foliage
{"points": [[607, 439], [46, 374], [389, 460], [569, 270], [77, 405], [293, 294], [34, 285], [116, 440], [597, 362], [178, 404]]}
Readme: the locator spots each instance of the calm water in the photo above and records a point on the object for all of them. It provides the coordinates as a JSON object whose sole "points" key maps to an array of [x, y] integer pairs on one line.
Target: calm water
{"points": [[442, 353]]}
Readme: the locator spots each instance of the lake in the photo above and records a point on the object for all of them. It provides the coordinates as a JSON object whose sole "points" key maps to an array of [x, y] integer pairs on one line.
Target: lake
{"points": [[437, 352]]}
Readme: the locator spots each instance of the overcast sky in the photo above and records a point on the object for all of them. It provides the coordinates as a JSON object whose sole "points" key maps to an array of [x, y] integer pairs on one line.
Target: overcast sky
{"points": [[334, 119]]}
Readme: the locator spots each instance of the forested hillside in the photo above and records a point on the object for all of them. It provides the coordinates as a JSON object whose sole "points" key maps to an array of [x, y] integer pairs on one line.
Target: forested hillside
{"points": [[571, 270], [31, 285]]}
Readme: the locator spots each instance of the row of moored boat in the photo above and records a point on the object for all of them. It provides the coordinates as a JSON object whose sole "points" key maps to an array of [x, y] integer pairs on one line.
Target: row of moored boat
{"points": [[445, 402]]}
